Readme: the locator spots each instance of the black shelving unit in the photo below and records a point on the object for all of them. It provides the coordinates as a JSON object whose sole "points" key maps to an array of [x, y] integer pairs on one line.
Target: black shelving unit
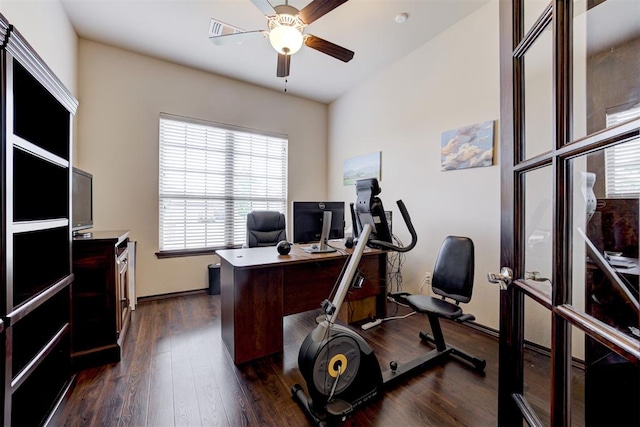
{"points": [[37, 118]]}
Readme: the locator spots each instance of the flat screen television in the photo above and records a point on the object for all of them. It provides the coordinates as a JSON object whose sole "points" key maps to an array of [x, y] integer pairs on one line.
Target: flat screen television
{"points": [[307, 220], [82, 201]]}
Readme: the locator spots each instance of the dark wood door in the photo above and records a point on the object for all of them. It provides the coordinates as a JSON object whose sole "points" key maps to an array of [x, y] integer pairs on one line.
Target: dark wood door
{"points": [[570, 165]]}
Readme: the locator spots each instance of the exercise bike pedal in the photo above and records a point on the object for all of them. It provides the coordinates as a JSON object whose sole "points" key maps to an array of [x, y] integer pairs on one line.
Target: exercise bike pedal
{"points": [[303, 400], [339, 408]]}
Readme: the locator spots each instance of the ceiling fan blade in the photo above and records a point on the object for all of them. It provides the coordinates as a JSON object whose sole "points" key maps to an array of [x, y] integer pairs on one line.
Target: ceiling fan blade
{"points": [[264, 6], [329, 48], [284, 63], [317, 9]]}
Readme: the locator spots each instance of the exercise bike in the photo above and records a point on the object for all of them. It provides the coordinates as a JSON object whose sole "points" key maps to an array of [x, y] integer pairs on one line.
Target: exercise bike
{"points": [[339, 367]]}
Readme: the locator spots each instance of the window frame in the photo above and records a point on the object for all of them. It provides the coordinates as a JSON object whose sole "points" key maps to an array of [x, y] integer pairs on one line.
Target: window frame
{"points": [[230, 200]]}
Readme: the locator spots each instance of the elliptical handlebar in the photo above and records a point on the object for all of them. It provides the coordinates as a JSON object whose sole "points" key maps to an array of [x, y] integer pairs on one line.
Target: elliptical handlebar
{"points": [[412, 231]]}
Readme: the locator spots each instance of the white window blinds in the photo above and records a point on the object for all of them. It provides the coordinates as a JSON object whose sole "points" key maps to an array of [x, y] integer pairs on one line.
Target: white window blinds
{"points": [[622, 162], [211, 176]]}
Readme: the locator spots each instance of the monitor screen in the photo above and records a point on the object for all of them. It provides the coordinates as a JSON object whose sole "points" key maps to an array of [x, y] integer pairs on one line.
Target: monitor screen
{"points": [[82, 200], [307, 220]]}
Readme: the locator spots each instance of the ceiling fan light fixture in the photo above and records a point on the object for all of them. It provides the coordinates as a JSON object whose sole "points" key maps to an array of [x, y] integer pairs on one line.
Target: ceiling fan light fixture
{"points": [[286, 39]]}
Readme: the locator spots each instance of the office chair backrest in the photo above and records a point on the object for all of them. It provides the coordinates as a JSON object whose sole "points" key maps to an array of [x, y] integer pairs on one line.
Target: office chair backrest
{"points": [[265, 228], [454, 269]]}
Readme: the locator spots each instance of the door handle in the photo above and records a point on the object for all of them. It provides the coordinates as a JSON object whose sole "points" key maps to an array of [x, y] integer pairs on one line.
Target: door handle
{"points": [[504, 278]]}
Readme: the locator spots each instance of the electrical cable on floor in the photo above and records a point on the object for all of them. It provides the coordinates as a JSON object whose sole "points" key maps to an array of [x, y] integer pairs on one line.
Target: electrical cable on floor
{"points": [[390, 299], [376, 322]]}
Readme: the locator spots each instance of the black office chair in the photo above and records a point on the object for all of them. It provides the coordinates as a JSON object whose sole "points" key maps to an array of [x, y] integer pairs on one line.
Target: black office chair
{"points": [[452, 280], [265, 228]]}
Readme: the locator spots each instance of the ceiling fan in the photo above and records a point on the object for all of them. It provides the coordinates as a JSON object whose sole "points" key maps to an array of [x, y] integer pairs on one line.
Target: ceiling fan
{"points": [[286, 31]]}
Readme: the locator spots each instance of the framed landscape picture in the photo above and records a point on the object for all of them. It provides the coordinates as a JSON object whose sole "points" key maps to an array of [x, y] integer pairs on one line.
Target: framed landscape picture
{"points": [[365, 166]]}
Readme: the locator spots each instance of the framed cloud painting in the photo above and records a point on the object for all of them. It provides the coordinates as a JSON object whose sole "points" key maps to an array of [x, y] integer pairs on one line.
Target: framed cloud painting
{"points": [[467, 147]]}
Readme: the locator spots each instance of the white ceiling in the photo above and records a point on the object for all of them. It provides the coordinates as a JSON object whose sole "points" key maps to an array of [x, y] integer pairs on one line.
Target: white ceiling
{"points": [[177, 31]]}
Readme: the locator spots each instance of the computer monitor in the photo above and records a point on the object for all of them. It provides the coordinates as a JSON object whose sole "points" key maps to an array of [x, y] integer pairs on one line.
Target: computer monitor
{"points": [[308, 220], [323, 244]]}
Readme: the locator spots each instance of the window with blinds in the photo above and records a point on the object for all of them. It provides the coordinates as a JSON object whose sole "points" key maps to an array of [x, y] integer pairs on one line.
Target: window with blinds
{"points": [[211, 176], [622, 162]]}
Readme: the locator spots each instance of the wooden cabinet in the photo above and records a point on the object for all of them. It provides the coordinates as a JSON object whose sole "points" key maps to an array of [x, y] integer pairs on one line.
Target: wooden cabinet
{"points": [[37, 118], [101, 310]]}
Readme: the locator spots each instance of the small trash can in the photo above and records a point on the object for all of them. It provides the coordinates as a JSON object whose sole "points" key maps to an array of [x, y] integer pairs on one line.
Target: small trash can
{"points": [[214, 279]]}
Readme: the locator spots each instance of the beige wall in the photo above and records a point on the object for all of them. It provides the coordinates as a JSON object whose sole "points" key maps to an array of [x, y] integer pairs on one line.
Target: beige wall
{"points": [[122, 95], [450, 82], [48, 30]]}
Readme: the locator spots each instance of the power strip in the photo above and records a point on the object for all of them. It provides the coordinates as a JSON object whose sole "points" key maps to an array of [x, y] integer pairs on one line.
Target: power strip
{"points": [[371, 324]]}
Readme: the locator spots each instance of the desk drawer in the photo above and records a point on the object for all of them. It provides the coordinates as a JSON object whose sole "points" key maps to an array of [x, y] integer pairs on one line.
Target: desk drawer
{"points": [[307, 285], [375, 282]]}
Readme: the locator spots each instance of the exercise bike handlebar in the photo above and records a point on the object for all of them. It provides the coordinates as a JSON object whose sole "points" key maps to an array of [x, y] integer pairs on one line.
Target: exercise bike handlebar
{"points": [[412, 231], [332, 308]]}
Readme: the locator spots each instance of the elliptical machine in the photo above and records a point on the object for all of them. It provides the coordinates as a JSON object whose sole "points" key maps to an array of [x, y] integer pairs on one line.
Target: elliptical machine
{"points": [[339, 367]]}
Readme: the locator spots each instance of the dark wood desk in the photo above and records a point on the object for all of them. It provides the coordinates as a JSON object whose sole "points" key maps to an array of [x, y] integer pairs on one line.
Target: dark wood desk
{"points": [[259, 287]]}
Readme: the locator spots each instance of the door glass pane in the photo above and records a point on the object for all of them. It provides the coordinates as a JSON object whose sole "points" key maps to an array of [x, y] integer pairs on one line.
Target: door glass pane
{"points": [[537, 380], [611, 388], [605, 241], [606, 62], [605, 279], [577, 377], [538, 96], [538, 226]]}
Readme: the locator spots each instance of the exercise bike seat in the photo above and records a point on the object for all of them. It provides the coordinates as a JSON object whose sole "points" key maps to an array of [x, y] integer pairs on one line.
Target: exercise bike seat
{"points": [[427, 304], [452, 280]]}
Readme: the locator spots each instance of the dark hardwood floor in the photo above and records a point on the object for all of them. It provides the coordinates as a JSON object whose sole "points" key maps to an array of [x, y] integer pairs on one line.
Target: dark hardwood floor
{"points": [[176, 371]]}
